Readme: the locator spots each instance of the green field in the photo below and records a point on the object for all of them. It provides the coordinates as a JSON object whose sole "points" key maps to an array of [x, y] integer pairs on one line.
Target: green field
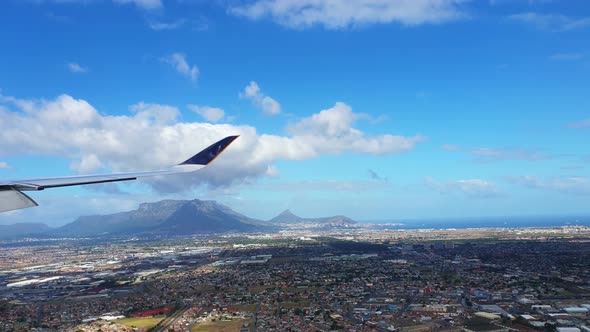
{"points": [[146, 323], [220, 326]]}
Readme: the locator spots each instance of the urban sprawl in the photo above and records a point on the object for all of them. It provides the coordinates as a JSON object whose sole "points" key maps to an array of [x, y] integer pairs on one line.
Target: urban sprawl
{"points": [[519, 279]]}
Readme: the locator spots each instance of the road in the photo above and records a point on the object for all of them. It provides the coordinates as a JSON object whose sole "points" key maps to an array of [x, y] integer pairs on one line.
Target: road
{"points": [[254, 321], [170, 320]]}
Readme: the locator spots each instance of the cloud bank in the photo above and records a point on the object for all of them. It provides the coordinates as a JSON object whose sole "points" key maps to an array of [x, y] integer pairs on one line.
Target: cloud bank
{"points": [[152, 137], [339, 14]]}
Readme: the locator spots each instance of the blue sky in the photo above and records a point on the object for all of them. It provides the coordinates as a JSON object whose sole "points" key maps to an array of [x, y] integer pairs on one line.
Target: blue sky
{"points": [[373, 109]]}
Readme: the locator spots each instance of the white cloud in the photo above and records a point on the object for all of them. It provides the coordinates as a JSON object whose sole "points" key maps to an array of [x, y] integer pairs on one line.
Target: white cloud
{"points": [[159, 26], [502, 154], [339, 14], [4, 165], [178, 61], [566, 56], [580, 124], [87, 164], [331, 131], [156, 113], [267, 104], [76, 68], [152, 137], [576, 185], [469, 187], [552, 22], [144, 4], [211, 114]]}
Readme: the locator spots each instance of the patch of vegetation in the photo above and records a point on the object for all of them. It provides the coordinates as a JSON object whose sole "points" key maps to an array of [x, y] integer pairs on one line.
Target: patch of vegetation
{"points": [[145, 322]]}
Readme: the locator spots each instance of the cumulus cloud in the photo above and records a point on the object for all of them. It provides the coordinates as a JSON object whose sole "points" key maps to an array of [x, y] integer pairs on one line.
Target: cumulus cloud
{"points": [[211, 114], [468, 187], [87, 164], [156, 113], [339, 14], [551, 22], [267, 104], [178, 61], [4, 165], [152, 137], [331, 131], [577, 185], [76, 68]]}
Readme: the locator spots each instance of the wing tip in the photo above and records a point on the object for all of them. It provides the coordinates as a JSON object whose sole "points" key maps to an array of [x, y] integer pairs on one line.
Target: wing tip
{"points": [[209, 154]]}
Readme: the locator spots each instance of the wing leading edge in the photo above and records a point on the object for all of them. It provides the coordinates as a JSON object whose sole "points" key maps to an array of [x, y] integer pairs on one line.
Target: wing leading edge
{"points": [[12, 198]]}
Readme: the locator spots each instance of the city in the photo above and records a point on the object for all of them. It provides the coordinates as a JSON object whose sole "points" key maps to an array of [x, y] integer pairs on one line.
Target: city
{"points": [[519, 279]]}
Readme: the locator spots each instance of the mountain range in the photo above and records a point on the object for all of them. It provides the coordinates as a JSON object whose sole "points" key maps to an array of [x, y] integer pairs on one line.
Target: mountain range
{"points": [[173, 217]]}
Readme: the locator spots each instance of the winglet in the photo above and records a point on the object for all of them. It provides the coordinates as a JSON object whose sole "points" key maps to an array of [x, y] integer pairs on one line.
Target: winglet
{"points": [[206, 156]]}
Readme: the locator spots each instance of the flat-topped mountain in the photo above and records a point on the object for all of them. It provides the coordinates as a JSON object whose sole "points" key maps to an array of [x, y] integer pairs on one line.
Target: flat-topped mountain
{"points": [[168, 216], [206, 217]]}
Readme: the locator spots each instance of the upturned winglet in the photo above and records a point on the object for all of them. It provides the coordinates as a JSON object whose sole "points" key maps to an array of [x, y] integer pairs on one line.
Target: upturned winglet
{"points": [[209, 154]]}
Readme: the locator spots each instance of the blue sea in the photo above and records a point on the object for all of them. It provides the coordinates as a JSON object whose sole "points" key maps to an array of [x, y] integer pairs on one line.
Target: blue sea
{"points": [[482, 222]]}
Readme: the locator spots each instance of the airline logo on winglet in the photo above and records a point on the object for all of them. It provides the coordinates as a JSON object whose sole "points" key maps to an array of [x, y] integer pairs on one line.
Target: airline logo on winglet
{"points": [[209, 154]]}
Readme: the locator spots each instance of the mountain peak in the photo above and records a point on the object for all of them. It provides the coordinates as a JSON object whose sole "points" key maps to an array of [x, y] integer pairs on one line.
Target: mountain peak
{"points": [[287, 217], [288, 213]]}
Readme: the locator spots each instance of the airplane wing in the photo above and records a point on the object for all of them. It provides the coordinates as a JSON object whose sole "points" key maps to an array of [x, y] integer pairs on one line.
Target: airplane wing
{"points": [[13, 198]]}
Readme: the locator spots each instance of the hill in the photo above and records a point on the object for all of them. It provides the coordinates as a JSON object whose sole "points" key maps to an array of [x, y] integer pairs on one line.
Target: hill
{"points": [[290, 219]]}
